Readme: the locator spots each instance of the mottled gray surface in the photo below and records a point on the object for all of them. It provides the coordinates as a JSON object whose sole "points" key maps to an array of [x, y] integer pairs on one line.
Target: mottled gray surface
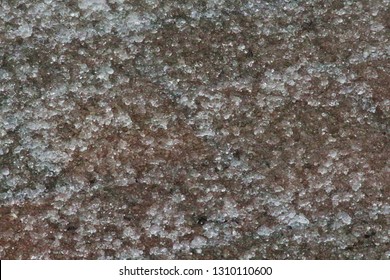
{"points": [[186, 129]]}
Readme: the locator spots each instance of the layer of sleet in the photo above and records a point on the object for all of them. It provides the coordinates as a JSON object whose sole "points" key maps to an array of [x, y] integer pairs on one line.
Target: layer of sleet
{"points": [[194, 129]]}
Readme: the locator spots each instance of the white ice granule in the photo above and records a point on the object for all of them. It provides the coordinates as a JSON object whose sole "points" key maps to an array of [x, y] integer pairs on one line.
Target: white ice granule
{"points": [[210, 230], [341, 79], [104, 72], [198, 242], [356, 181], [96, 5], [130, 233], [155, 230], [344, 218], [333, 154], [205, 133], [298, 220], [137, 22], [375, 27], [230, 208], [5, 171], [181, 246], [24, 31], [264, 231], [124, 119], [131, 254]]}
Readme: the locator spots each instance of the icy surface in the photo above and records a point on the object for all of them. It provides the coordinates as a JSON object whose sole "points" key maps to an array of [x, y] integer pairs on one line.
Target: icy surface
{"points": [[215, 129]]}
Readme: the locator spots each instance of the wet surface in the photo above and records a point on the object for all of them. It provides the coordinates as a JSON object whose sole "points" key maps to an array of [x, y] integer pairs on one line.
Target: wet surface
{"points": [[207, 130]]}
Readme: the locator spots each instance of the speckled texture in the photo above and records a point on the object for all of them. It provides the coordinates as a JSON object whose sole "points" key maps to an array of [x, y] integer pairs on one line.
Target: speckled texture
{"points": [[186, 129]]}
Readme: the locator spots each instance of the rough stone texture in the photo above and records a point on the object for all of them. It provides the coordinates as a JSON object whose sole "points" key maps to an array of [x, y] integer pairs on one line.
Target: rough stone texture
{"points": [[215, 129]]}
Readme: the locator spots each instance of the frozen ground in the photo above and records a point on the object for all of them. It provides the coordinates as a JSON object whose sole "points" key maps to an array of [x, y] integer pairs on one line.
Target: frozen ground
{"points": [[194, 129]]}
